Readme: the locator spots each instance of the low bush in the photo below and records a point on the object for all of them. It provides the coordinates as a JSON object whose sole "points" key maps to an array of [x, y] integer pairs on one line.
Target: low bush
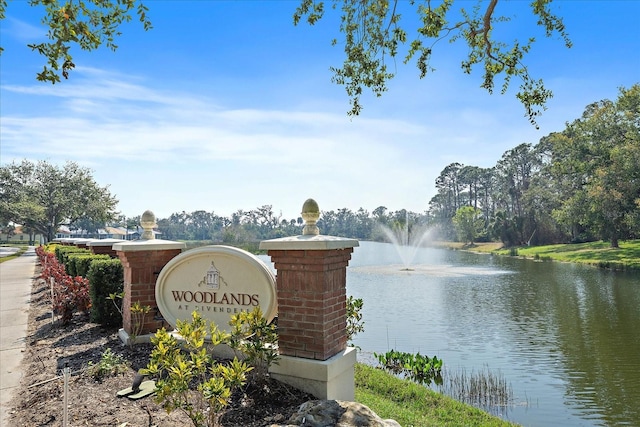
{"points": [[70, 294], [419, 368], [256, 340], [188, 377], [106, 277], [63, 253], [110, 364], [79, 263]]}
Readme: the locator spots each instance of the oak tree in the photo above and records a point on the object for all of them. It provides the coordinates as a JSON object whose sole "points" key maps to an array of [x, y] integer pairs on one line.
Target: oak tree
{"points": [[87, 24], [44, 196], [375, 34]]}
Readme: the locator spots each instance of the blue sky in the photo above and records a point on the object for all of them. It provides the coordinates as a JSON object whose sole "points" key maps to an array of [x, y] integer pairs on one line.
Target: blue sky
{"points": [[225, 105]]}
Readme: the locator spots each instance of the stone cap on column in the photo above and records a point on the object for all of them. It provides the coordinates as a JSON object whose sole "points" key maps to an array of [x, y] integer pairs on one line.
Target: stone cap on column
{"points": [[309, 242], [311, 239], [80, 241], [105, 242], [148, 245]]}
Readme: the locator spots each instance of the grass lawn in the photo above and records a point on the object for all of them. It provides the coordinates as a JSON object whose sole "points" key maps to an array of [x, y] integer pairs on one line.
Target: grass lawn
{"points": [[411, 404], [600, 254]]}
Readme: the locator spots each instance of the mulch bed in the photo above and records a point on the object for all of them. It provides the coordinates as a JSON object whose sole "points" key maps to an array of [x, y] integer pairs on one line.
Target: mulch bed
{"points": [[51, 347]]}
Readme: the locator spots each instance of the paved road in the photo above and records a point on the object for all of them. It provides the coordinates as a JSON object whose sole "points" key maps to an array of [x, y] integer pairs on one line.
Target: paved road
{"points": [[8, 250], [15, 291]]}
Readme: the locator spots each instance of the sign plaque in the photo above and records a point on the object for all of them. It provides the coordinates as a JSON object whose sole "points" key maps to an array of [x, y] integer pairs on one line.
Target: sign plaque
{"points": [[216, 281]]}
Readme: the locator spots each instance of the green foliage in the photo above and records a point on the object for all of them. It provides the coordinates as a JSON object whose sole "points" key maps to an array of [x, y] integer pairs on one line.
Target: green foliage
{"points": [[62, 252], [355, 324], [110, 364], [598, 157], [188, 377], [419, 368], [139, 314], [79, 263], [256, 339], [87, 24], [577, 185], [106, 278], [42, 196], [467, 223], [412, 404], [374, 36]]}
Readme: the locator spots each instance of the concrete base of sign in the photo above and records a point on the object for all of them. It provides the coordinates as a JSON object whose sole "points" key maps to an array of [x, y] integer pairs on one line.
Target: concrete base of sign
{"points": [[331, 379], [129, 340]]}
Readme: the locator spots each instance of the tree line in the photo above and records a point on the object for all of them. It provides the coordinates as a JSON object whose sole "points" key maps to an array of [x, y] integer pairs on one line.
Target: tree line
{"points": [[579, 184], [263, 223]]}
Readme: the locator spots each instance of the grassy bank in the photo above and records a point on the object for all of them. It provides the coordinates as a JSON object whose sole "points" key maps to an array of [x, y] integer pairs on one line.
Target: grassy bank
{"points": [[484, 247], [599, 254], [411, 404]]}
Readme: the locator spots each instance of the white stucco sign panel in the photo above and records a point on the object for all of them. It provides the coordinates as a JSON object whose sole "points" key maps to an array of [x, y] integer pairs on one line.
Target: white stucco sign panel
{"points": [[216, 281]]}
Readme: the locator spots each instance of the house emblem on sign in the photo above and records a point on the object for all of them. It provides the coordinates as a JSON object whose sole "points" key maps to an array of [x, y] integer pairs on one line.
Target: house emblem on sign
{"points": [[212, 278]]}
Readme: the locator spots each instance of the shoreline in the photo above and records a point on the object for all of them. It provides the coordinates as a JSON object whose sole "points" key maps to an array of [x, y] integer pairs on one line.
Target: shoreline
{"points": [[597, 254]]}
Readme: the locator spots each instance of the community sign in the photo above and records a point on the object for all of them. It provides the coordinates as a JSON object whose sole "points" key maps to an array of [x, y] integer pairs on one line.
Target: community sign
{"points": [[217, 282]]}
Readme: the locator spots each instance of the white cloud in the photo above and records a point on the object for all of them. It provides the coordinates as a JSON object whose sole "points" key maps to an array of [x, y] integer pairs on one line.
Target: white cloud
{"points": [[21, 30], [101, 121]]}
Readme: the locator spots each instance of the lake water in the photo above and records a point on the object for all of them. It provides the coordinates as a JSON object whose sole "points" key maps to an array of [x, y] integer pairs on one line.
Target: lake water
{"points": [[565, 337]]}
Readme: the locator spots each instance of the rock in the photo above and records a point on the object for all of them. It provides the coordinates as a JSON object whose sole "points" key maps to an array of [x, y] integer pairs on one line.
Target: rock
{"points": [[336, 413]]}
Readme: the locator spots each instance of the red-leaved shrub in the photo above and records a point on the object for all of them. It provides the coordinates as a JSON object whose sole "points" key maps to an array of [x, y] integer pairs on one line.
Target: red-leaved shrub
{"points": [[70, 294]]}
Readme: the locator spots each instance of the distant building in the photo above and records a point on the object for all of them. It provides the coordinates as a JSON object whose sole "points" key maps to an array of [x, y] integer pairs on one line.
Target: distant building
{"points": [[18, 235], [103, 233]]}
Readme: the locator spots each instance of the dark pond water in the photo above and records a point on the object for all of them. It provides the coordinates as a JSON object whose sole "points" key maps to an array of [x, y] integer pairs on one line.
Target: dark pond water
{"points": [[566, 338]]}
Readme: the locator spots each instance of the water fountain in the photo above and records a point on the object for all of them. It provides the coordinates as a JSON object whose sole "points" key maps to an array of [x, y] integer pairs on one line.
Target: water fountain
{"points": [[406, 240]]}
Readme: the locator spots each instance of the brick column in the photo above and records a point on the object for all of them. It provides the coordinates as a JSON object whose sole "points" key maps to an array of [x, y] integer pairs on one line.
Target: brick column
{"points": [[141, 269], [104, 247], [311, 291], [142, 261], [312, 310]]}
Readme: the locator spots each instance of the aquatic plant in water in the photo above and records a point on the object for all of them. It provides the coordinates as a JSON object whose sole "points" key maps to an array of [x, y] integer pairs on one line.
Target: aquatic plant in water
{"points": [[418, 368]]}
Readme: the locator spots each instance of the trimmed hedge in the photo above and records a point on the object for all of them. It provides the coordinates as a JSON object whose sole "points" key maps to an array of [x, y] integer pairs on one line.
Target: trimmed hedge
{"points": [[106, 277], [79, 263], [63, 252]]}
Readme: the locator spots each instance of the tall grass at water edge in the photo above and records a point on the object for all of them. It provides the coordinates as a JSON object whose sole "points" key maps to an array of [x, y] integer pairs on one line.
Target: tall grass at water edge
{"points": [[412, 404]]}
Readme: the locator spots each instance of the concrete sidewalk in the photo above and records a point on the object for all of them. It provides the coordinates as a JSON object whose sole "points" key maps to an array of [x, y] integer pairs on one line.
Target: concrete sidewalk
{"points": [[15, 294]]}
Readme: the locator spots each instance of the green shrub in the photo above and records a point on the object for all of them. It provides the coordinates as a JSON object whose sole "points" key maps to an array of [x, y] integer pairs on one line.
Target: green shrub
{"points": [[355, 324], [63, 253], [110, 364], [79, 263], [188, 377], [257, 340], [106, 277]]}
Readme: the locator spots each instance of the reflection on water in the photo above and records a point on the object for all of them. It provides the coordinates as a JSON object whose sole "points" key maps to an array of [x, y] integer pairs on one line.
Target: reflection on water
{"points": [[430, 270], [565, 337]]}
